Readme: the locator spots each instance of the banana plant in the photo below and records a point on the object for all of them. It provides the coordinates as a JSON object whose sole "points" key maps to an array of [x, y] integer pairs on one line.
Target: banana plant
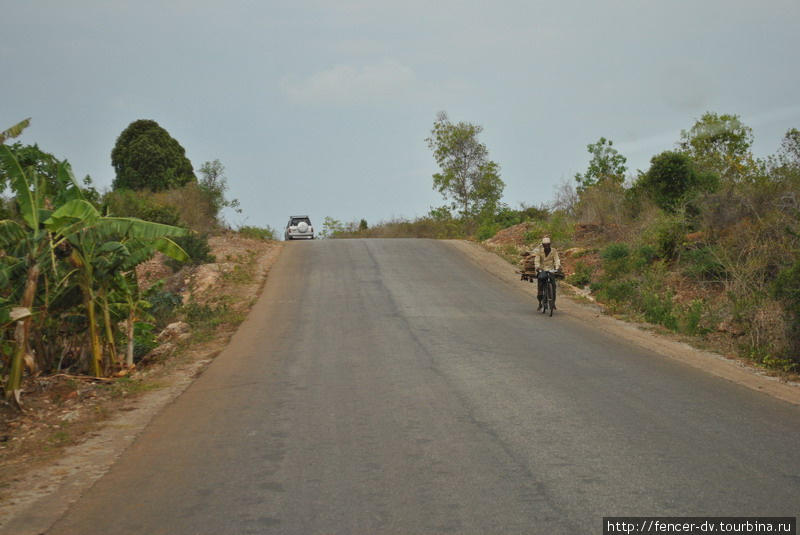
{"points": [[28, 254], [99, 250]]}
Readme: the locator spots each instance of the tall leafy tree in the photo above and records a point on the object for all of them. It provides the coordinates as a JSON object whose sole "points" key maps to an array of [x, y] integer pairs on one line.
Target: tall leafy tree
{"points": [[672, 177], [719, 144], [607, 166], [214, 184], [146, 157], [467, 175]]}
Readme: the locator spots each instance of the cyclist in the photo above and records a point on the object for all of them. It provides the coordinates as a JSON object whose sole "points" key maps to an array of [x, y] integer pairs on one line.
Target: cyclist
{"points": [[546, 259]]}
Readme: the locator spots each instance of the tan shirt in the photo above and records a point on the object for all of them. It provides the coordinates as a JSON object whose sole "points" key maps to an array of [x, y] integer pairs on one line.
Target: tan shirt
{"points": [[550, 262]]}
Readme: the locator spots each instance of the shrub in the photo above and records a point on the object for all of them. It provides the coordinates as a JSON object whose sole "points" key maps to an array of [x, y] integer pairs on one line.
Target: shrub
{"points": [[144, 340], [197, 210], [487, 230], [703, 263], [786, 288], [615, 251], [621, 291], [142, 205], [645, 255], [196, 246], [559, 227], [259, 233], [672, 179], [204, 316], [692, 316], [163, 305], [582, 275], [667, 234], [658, 309], [615, 259]]}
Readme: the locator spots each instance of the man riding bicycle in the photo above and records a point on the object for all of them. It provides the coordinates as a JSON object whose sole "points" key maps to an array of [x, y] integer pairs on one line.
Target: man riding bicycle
{"points": [[545, 259]]}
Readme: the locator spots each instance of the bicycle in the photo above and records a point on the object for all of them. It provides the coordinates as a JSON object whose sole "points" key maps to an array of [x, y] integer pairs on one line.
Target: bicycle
{"points": [[549, 290]]}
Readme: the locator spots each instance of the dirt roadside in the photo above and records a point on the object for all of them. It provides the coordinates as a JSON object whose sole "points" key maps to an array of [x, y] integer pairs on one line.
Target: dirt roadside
{"points": [[40, 495]]}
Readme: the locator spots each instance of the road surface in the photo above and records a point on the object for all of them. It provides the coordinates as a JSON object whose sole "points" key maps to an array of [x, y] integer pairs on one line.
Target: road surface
{"points": [[391, 386]]}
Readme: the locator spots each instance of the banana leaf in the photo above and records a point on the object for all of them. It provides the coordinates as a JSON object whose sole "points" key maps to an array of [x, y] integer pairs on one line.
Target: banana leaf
{"points": [[15, 130], [11, 234], [72, 190], [21, 185]]}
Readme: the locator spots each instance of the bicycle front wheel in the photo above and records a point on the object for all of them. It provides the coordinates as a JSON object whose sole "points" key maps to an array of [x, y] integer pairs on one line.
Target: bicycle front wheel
{"points": [[550, 296]]}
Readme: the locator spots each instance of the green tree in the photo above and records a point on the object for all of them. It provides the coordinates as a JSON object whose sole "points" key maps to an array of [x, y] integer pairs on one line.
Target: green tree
{"points": [[719, 144], [671, 178], [214, 184], [468, 177], [607, 166], [146, 157]]}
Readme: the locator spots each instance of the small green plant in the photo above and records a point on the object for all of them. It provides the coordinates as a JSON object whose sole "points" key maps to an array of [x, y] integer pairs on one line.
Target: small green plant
{"points": [[692, 317], [582, 275], [621, 291], [239, 275], [124, 386], [615, 259], [197, 247], [702, 263], [667, 234], [658, 309], [202, 316], [259, 233], [164, 304], [144, 339], [645, 255], [615, 251], [487, 230]]}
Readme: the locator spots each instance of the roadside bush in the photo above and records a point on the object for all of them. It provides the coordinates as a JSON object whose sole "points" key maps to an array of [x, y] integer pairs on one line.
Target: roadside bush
{"points": [[259, 233], [621, 291], [144, 340], [703, 263], [163, 305], [487, 230], [558, 226], [142, 205], [197, 247], [645, 255], [197, 210], [658, 309], [204, 316], [786, 288], [615, 259], [692, 317], [582, 275], [667, 234]]}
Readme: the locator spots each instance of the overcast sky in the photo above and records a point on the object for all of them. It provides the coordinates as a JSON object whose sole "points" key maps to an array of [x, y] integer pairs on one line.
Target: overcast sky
{"points": [[323, 107]]}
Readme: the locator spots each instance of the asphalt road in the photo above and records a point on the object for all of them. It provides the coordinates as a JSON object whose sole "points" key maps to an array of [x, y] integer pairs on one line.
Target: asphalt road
{"points": [[391, 386]]}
